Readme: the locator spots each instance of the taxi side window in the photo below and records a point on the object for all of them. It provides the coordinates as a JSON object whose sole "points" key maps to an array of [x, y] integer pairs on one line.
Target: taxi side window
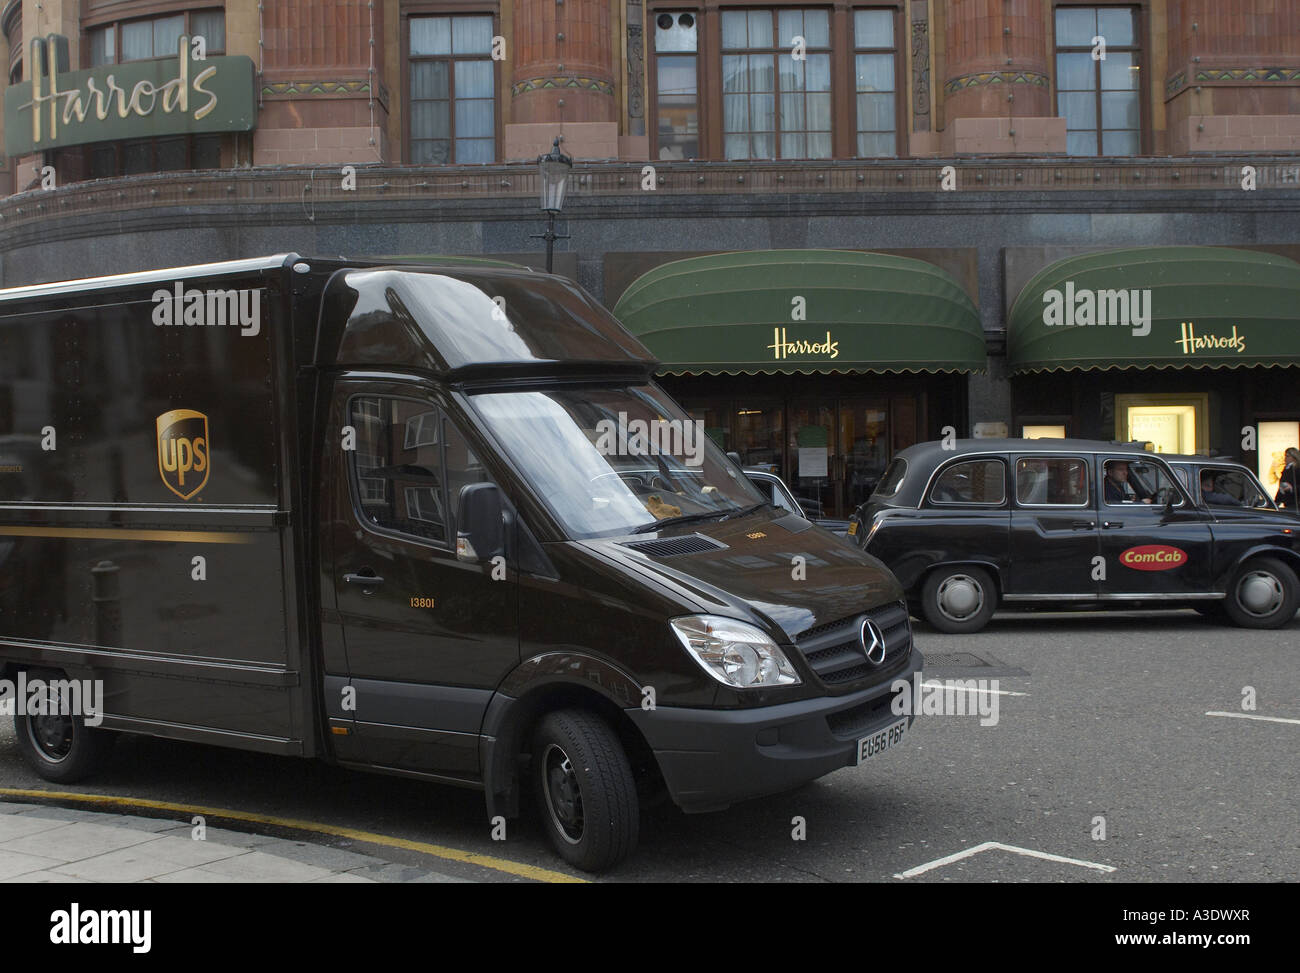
{"points": [[1053, 481], [1138, 482], [979, 481], [1229, 488]]}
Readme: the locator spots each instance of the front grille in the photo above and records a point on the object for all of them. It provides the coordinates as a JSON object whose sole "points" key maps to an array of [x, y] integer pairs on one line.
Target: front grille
{"points": [[834, 650]]}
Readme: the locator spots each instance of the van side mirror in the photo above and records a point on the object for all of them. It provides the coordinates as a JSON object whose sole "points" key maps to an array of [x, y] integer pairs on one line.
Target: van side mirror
{"points": [[480, 530]]}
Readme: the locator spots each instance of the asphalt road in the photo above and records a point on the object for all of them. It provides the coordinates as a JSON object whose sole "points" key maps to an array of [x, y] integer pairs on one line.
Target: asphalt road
{"points": [[1109, 722]]}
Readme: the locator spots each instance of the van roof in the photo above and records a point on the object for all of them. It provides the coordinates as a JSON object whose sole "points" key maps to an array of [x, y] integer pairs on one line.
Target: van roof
{"points": [[472, 321], [218, 269]]}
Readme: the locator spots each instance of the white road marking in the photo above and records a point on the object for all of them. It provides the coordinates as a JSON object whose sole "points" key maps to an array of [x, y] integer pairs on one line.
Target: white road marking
{"points": [[972, 689], [990, 845], [1251, 716]]}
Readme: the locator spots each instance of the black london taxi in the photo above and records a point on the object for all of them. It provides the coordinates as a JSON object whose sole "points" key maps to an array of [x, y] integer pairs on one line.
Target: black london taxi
{"points": [[972, 525], [435, 522]]}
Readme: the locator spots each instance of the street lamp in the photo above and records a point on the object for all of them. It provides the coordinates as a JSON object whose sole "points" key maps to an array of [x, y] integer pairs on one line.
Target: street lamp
{"points": [[553, 177]]}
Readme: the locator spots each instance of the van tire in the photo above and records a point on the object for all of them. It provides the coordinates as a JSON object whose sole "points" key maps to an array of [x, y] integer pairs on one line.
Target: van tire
{"points": [[1262, 594], [586, 791], [61, 748], [947, 590]]}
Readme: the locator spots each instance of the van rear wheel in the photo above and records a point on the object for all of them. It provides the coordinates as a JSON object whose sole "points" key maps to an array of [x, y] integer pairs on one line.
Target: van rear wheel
{"points": [[959, 600], [1262, 594], [586, 791], [59, 746]]}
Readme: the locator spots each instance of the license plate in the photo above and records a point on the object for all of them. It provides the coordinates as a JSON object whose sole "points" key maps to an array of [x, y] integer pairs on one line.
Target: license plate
{"points": [[880, 741]]}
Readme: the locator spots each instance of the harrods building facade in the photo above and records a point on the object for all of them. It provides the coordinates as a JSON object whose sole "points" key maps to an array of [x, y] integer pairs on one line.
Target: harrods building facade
{"points": [[841, 226]]}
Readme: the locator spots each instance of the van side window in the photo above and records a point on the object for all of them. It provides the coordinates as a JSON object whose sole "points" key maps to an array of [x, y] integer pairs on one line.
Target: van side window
{"points": [[979, 481], [398, 465], [463, 467], [1053, 481]]}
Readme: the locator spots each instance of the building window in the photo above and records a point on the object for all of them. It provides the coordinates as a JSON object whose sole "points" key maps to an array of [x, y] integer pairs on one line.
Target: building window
{"points": [[180, 152], [677, 105], [139, 40], [875, 58], [1098, 96], [775, 105], [453, 90]]}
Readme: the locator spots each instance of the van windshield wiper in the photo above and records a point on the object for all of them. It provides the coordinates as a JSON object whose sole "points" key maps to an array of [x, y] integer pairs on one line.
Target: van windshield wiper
{"points": [[748, 510], [681, 519]]}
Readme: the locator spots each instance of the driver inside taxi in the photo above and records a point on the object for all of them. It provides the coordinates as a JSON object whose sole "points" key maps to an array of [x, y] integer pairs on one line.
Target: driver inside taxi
{"points": [[1119, 489]]}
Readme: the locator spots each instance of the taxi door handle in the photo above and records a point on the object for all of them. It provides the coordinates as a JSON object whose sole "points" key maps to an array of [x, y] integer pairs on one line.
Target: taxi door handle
{"points": [[365, 580], [1083, 524], [1113, 523]]}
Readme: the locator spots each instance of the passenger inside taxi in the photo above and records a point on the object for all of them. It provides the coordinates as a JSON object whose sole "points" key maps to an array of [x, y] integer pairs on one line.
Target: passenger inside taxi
{"points": [[1213, 496], [1119, 488]]}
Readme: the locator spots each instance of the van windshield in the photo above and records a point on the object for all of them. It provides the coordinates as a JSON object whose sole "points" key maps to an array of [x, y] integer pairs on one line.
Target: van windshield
{"points": [[615, 460]]}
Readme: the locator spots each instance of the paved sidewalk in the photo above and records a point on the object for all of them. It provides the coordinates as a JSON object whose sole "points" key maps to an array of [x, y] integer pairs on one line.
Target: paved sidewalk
{"points": [[39, 843]]}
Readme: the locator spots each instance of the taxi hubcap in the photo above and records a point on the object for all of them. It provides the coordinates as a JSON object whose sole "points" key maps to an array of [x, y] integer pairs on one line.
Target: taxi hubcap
{"points": [[960, 597], [1260, 593]]}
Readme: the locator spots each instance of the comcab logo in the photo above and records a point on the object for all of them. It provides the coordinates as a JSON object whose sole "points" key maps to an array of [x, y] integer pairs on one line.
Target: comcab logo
{"points": [[1153, 557], [183, 450]]}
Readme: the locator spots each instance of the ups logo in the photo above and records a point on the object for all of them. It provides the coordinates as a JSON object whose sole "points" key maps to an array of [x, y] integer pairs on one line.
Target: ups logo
{"points": [[756, 535], [183, 451]]}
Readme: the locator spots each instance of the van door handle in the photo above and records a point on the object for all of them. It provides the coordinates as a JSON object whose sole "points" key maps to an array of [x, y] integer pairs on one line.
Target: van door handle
{"points": [[366, 580], [1113, 523], [1083, 524]]}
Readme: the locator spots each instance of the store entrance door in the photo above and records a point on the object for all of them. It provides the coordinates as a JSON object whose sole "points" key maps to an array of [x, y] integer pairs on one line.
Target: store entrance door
{"points": [[839, 448]]}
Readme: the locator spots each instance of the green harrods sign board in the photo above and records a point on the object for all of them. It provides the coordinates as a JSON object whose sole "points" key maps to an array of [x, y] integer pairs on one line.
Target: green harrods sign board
{"points": [[180, 95]]}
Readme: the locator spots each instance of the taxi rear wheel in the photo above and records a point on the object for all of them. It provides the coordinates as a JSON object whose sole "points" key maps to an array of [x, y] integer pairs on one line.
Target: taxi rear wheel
{"points": [[1263, 594], [959, 600]]}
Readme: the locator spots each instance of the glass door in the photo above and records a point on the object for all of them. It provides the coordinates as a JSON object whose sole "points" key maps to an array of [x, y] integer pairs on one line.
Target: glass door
{"points": [[864, 444], [815, 466]]}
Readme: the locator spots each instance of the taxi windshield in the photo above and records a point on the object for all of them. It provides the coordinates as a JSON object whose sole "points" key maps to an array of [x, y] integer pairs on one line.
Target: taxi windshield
{"points": [[615, 460]]}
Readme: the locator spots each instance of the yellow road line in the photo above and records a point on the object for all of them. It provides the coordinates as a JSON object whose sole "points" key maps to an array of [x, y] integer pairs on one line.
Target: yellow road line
{"points": [[437, 851]]}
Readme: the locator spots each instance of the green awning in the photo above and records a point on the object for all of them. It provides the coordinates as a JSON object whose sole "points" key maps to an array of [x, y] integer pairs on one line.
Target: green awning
{"points": [[1209, 307], [741, 313]]}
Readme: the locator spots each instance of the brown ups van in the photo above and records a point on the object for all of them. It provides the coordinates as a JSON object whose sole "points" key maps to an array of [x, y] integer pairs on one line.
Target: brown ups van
{"points": [[439, 522]]}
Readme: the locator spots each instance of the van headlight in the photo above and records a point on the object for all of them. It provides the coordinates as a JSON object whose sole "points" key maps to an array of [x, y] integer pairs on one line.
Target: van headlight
{"points": [[734, 652]]}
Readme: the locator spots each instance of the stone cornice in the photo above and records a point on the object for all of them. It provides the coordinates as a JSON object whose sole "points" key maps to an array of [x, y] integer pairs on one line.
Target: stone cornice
{"points": [[314, 195]]}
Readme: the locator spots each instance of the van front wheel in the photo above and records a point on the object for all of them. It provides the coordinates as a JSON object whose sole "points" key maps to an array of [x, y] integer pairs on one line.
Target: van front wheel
{"points": [[586, 791]]}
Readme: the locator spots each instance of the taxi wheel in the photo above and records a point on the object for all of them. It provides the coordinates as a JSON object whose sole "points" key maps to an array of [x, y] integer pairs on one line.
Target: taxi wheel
{"points": [[959, 600], [1263, 594]]}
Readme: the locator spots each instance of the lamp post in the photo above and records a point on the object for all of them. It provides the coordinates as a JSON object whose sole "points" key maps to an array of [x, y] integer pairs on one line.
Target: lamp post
{"points": [[553, 178]]}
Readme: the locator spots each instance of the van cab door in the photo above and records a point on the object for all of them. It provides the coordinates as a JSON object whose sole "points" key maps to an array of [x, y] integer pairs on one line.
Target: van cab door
{"points": [[1054, 538], [428, 637], [1151, 548]]}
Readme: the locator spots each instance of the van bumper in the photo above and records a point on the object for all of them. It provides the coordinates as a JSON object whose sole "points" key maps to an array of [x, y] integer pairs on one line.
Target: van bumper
{"points": [[713, 758]]}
